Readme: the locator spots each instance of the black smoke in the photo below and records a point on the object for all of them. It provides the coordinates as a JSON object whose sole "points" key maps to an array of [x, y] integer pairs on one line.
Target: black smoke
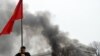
{"points": [[38, 24]]}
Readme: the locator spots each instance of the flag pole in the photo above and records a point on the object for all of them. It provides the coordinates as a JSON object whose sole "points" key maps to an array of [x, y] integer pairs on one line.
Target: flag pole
{"points": [[22, 25], [21, 32]]}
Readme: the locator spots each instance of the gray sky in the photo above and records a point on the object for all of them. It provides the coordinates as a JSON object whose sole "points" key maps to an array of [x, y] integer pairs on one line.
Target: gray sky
{"points": [[78, 17]]}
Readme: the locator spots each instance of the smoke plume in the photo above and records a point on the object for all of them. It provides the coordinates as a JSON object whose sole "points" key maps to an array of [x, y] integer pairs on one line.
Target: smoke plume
{"points": [[39, 35]]}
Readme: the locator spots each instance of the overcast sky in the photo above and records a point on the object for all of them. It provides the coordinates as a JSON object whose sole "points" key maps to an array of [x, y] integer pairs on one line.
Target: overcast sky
{"points": [[81, 18]]}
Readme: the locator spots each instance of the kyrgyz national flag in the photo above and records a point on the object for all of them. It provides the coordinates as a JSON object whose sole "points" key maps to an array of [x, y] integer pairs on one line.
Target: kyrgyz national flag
{"points": [[17, 14]]}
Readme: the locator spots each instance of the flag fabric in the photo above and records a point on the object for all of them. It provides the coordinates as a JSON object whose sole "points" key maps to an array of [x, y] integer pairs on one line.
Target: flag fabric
{"points": [[18, 14], [8, 27]]}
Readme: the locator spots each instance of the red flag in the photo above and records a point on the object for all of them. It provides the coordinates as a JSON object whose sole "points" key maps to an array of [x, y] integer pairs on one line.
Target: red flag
{"points": [[18, 14]]}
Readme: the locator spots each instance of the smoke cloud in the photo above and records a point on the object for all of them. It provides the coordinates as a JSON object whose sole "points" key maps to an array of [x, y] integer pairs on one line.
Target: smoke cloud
{"points": [[39, 35]]}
